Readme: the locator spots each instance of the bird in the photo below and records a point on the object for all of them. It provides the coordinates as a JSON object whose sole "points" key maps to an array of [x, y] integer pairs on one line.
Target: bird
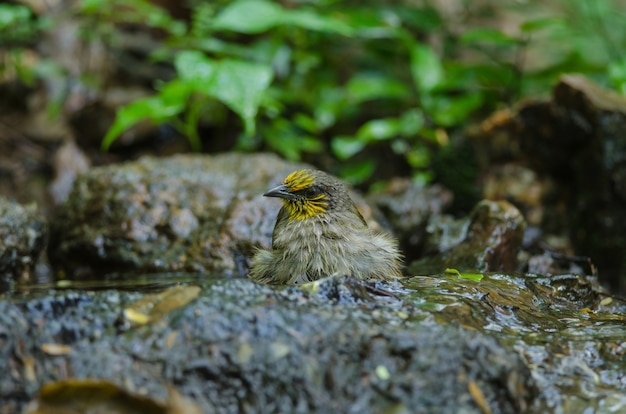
{"points": [[319, 232]]}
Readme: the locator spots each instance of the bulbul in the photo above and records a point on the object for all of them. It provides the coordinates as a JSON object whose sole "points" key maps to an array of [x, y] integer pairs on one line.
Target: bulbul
{"points": [[319, 232]]}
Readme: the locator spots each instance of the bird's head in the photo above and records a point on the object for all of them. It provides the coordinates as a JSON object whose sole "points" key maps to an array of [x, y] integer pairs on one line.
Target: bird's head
{"points": [[308, 193]]}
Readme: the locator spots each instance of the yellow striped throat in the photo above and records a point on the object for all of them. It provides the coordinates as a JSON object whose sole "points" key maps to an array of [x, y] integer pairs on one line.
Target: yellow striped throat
{"points": [[302, 197]]}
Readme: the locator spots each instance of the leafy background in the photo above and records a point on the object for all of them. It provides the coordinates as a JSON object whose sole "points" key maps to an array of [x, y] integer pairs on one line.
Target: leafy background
{"points": [[362, 88]]}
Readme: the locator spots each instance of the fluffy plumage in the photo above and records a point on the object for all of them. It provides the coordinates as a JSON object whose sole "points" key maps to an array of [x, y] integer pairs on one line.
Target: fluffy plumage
{"points": [[319, 232]]}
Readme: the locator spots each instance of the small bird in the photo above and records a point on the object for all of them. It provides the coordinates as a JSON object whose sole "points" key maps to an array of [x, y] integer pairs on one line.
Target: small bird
{"points": [[319, 232]]}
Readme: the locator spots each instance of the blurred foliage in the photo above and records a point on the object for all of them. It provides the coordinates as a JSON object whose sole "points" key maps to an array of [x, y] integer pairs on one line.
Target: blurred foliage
{"points": [[15, 24], [17, 31], [353, 79]]}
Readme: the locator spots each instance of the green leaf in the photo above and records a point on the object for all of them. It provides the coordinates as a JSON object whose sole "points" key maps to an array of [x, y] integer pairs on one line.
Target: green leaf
{"points": [[379, 129], [289, 141], [310, 20], [366, 87], [17, 27], [249, 16], [488, 35], [617, 75], [257, 16], [175, 92], [426, 68], [357, 172], [306, 122], [240, 85], [422, 178], [310, 144], [329, 106], [463, 75], [236, 83], [427, 19], [284, 143], [291, 145], [418, 157], [345, 147], [543, 23], [471, 276], [11, 15], [194, 65], [135, 11], [411, 122], [153, 108], [449, 111], [481, 76]]}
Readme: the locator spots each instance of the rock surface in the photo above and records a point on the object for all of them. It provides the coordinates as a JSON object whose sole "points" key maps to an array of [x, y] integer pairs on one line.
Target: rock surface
{"points": [[243, 347], [179, 214], [407, 207], [504, 344], [23, 234], [489, 239], [576, 145], [495, 342]]}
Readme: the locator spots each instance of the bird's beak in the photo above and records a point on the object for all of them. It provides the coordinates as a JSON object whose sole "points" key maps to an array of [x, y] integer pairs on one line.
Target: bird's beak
{"points": [[281, 191]]}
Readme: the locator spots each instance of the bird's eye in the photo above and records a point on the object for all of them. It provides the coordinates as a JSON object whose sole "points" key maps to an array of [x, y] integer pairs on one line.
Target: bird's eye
{"points": [[310, 192]]}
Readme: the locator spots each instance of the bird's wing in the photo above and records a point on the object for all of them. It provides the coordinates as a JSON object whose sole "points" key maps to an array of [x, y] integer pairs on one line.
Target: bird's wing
{"points": [[356, 211], [281, 219]]}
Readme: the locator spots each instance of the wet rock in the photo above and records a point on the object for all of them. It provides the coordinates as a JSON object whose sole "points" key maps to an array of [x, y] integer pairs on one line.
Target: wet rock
{"points": [[489, 239], [550, 263], [567, 330], [23, 234], [577, 141], [519, 185], [243, 347], [512, 343], [408, 206], [181, 214]]}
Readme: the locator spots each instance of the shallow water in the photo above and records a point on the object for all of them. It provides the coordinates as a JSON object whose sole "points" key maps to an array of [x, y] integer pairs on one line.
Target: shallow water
{"points": [[571, 335]]}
